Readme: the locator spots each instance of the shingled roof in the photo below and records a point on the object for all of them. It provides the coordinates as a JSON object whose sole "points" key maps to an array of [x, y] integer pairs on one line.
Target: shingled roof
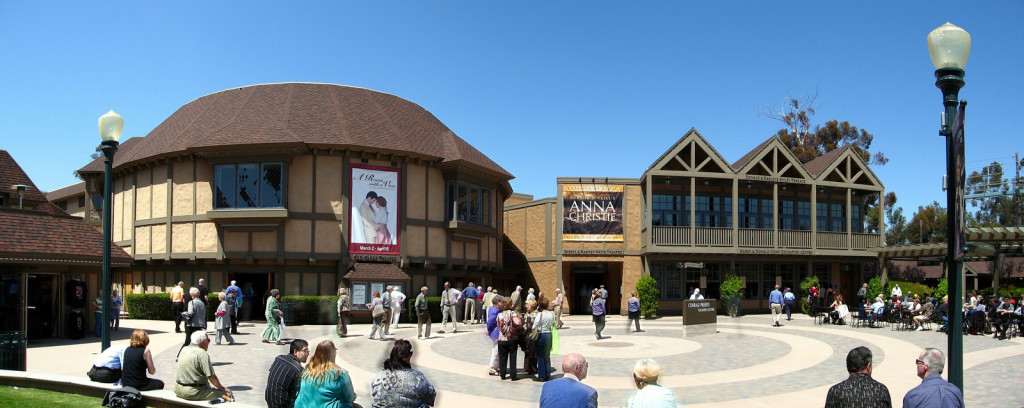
{"points": [[65, 192], [11, 174], [821, 162], [316, 115]]}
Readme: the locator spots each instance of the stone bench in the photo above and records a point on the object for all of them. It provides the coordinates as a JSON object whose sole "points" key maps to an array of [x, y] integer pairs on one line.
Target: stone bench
{"points": [[164, 398]]}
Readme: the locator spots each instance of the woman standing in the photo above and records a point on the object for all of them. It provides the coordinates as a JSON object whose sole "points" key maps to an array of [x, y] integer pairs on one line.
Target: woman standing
{"points": [[542, 324], [509, 325], [633, 306], [324, 384], [378, 319], [493, 331], [398, 385], [273, 330], [344, 308], [195, 317], [136, 361], [529, 339], [649, 394], [597, 304], [223, 322]]}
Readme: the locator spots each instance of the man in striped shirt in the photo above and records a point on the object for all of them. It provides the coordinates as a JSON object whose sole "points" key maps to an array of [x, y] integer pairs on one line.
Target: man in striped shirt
{"points": [[285, 376]]}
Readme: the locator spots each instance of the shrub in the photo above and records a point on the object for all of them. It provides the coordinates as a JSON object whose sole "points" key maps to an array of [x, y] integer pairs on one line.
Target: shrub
{"points": [[732, 292], [647, 289], [875, 288], [805, 291], [942, 290], [908, 287], [157, 306], [433, 307]]}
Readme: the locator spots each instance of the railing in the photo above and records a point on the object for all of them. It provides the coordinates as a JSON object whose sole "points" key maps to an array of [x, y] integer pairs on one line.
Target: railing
{"points": [[832, 240], [794, 239], [712, 236], [755, 237], [863, 241], [670, 235]]}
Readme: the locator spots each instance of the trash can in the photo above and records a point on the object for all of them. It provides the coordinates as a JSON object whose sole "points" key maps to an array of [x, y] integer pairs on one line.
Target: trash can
{"points": [[288, 313], [12, 350]]}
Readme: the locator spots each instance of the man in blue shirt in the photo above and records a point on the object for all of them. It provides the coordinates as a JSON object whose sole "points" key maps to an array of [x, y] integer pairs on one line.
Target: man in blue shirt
{"points": [[237, 292], [775, 302], [470, 294], [107, 366], [569, 391], [790, 299], [933, 390]]}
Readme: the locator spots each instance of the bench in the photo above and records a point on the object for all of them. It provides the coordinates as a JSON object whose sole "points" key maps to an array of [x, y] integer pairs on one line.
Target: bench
{"points": [[164, 398]]}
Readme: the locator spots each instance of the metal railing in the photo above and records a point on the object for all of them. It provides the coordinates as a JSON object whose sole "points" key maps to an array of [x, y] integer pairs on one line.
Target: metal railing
{"points": [[713, 236], [670, 235], [863, 241]]}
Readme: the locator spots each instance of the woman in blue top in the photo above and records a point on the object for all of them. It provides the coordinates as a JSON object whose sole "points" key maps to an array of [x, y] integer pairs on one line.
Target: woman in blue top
{"points": [[324, 384], [633, 306], [597, 304]]}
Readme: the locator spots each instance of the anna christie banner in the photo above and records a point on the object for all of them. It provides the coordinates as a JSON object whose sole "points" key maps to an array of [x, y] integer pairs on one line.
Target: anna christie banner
{"points": [[591, 212], [373, 224]]}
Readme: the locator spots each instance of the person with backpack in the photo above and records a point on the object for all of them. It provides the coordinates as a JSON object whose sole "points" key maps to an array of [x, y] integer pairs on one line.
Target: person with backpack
{"points": [[510, 326]]}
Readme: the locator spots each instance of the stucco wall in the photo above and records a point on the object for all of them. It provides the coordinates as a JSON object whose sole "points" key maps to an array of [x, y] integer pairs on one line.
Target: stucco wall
{"points": [[329, 185]]}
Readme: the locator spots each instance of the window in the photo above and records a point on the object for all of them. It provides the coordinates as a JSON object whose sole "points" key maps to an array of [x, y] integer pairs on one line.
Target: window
{"points": [[786, 271], [857, 219], [714, 211], [803, 215], [469, 203], [668, 211], [751, 291], [673, 282], [62, 204], [81, 201], [767, 213], [837, 217], [822, 213], [248, 185], [768, 272], [749, 212], [657, 275], [786, 213]]}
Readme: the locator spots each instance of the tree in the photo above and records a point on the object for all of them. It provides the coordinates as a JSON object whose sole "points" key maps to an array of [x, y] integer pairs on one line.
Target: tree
{"points": [[928, 225], [1003, 206], [647, 288], [896, 233], [808, 144], [732, 291]]}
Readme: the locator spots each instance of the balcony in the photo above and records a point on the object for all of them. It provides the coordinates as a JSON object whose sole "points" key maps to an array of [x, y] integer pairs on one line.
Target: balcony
{"points": [[760, 238]]}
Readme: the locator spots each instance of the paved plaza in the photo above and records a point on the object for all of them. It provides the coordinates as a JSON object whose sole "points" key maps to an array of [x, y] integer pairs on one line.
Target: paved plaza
{"points": [[747, 363]]}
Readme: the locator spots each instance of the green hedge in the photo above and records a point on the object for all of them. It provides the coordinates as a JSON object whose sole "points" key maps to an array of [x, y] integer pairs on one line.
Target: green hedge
{"points": [[157, 306], [312, 309], [647, 289], [908, 287], [433, 306]]}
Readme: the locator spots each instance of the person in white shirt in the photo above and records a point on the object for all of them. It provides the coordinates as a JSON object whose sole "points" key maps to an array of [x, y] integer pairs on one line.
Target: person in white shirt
{"points": [[696, 295], [397, 302], [449, 299], [107, 366], [897, 292]]}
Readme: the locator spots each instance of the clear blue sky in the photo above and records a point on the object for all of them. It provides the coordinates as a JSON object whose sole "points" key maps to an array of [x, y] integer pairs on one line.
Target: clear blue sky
{"points": [[546, 89]]}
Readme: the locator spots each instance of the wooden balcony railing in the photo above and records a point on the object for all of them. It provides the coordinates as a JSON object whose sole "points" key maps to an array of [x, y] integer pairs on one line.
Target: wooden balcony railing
{"points": [[714, 236], [863, 241], [759, 238], [670, 235], [832, 240], [794, 239]]}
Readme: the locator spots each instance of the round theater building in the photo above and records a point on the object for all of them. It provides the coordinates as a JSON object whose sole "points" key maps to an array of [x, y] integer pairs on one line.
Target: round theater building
{"points": [[305, 188]]}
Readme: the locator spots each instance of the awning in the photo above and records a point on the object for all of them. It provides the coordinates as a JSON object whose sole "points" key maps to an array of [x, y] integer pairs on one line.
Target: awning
{"points": [[376, 271]]}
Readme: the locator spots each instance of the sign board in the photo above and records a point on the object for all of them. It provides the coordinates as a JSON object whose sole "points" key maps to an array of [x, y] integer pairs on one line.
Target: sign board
{"points": [[959, 177], [592, 212], [373, 220], [700, 312]]}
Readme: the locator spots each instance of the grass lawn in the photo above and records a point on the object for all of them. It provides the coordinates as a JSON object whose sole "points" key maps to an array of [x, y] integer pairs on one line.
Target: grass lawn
{"points": [[36, 398]]}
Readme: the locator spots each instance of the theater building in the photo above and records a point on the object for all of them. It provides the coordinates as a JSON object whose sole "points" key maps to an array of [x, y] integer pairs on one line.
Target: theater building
{"points": [[692, 217], [306, 188]]}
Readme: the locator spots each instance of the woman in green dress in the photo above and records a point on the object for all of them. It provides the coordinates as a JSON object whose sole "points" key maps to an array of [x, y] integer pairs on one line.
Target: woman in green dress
{"points": [[273, 330], [324, 384]]}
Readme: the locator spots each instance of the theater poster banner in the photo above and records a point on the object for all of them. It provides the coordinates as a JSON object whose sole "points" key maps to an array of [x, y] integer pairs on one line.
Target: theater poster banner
{"points": [[591, 212], [373, 221]]}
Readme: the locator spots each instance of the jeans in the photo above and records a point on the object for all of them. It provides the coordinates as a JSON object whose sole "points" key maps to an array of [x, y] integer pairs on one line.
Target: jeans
{"points": [[507, 353], [377, 325], [99, 321], [598, 325], [789, 310], [544, 356], [115, 318]]}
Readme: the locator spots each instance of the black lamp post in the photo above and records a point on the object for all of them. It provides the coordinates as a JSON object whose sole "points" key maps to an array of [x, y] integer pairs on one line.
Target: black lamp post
{"points": [[949, 47], [111, 125]]}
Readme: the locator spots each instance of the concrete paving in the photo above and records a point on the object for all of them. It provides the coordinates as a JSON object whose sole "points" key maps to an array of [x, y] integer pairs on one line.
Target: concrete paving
{"points": [[747, 363]]}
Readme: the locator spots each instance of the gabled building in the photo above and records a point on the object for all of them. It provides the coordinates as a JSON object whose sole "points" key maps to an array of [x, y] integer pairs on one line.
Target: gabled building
{"points": [[691, 218]]}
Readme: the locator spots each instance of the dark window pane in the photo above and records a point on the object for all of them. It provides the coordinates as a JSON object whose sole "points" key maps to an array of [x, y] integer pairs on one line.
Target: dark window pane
{"points": [[271, 194], [485, 206], [452, 200], [224, 186], [463, 208], [474, 204], [248, 185]]}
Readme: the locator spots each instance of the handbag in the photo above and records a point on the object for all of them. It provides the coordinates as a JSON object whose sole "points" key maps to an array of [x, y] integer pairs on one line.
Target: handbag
{"points": [[378, 310]]}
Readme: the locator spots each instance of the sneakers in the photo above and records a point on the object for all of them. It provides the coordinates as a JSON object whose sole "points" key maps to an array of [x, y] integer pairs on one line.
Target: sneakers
{"points": [[441, 331], [920, 328]]}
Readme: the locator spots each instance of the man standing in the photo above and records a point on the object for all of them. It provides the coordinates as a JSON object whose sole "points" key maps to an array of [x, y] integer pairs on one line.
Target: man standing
{"points": [[517, 300], [862, 294], [203, 292], [449, 298], [775, 300], [236, 297], [790, 298], [366, 216], [178, 305], [933, 390], [569, 391], [557, 305], [285, 376], [469, 293], [604, 293], [858, 390], [422, 314], [195, 373], [397, 302], [386, 302]]}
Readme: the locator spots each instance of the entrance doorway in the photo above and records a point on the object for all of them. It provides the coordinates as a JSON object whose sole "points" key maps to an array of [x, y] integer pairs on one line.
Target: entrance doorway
{"points": [[41, 305], [585, 278], [255, 289]]}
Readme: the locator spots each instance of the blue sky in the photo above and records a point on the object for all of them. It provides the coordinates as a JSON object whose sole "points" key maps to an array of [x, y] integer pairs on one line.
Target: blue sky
{"points": [[546, 89]]}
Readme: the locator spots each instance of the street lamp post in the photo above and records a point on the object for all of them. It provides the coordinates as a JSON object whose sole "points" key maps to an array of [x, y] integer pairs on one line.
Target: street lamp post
{"points": [[949, 47], [111, 125]]}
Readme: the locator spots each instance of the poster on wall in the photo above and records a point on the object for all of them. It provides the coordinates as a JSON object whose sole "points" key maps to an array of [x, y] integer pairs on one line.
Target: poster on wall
{"points": [[591, 212], [359, 295], [373, 220]]}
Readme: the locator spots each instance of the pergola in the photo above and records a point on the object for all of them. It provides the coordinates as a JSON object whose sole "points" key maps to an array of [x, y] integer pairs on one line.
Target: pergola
{"points": [[986, 244]]}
